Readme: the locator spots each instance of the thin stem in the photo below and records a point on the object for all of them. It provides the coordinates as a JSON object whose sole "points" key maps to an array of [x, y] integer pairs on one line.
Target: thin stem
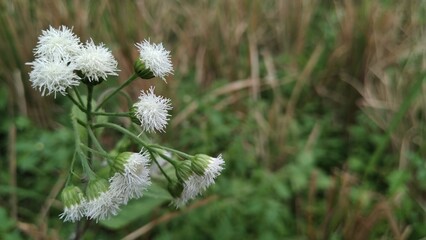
{"points": [[89, 119], [101, 153], [71, 170], [77, 93], [167, 158], [87, 170], [76, 103], [122, 130], [131, 78], [172, 150], [96, 142], [136, 139], [81, 122], [159, 166], [124, 94], [86, 167], [125, 114]]}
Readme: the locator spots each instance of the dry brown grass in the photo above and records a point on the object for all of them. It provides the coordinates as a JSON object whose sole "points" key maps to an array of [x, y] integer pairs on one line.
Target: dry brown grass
{"points": [[234, 40]]}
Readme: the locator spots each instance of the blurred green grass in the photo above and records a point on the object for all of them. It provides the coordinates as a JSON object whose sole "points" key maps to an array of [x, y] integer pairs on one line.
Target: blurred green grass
{"points": [[297, 95]]}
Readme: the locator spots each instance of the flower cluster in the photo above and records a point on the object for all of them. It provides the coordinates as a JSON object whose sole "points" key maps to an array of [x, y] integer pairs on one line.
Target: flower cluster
{"points": [[61, 63], [130, 177]]}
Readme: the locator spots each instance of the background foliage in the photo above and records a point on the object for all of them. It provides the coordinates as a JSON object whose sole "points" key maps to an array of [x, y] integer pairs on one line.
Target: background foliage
{"points": [[317, 106]]}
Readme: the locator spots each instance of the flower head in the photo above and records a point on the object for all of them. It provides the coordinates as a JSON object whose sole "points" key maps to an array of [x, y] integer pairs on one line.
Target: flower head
{"points": [[96, 62], [57, 43], [101, 202], [74, 204], [53, 75], [131, 176], [155, 58], [151, 111], [196, 184]]}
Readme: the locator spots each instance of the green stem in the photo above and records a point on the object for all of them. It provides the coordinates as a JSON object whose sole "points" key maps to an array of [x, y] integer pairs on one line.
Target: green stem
{"points": [[76, 103], [135, 138], [126, 114], [84, 161], [167, 158], [81, 122], [101, 153], [159, 166], [77, 93], [86, 169], [71, 170], [124, 94], [122, 130], [127, 82], [96, 142], [184, 155], [89, 120], [413, 91]]}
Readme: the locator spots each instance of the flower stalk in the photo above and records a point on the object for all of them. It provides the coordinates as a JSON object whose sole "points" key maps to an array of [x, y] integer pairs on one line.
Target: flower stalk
{"points": [[118, 89]]}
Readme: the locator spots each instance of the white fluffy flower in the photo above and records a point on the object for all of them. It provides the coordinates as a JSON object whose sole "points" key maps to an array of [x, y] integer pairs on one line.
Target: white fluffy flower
{"points": [[195, 184], [102, 207], [96, 62], [134, 177], [156, 58], [74, 212], [74, 204], [101, 203], [53, 75], [57, 43], [151, 111]]}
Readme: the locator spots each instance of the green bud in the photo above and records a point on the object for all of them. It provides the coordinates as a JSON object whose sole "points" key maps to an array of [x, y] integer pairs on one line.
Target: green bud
{"points": [[199, 164], [71, 196], [143, 71], [96, 187], [133, 115], [175, 188], [119, 162], [183, 170]]}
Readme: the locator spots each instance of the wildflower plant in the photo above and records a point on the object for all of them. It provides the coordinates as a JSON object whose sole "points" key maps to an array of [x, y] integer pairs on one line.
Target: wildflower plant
{"points": [[65, 66]]}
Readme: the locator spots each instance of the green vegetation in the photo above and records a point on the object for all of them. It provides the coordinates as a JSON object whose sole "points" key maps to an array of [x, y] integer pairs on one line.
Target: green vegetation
{"points": [[317, 107]]}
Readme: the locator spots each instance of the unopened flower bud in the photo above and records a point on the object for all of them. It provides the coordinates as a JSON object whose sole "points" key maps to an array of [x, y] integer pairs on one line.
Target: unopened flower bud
{"points": [[120, 161], [133, 115], [183, 170], [199, 164], [142, 70]]}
